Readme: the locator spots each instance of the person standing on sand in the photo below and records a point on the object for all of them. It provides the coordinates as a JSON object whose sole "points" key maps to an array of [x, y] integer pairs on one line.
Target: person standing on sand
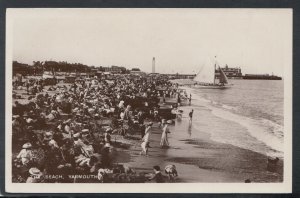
{"points": [[142, 129], [147, 132], [191, 116], [145, 143], [164, 137]]}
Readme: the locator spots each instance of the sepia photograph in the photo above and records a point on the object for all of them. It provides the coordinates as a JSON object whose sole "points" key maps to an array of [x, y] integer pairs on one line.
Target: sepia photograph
{"points": [[121, 99]]}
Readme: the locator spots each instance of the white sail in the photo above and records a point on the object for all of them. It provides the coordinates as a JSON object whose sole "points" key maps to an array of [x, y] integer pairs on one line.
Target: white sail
{"points": [[206, 73], [223, 78]]}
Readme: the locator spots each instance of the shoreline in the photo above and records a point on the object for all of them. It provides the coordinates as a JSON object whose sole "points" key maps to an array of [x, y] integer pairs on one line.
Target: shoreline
{"points": [[199, 159], [202, 159]]}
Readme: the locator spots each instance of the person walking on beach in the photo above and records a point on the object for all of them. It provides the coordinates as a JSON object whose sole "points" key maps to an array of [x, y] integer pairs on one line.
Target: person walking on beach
{"points": [[190, 99], [145, 143], [191, 115], [164, 137]]}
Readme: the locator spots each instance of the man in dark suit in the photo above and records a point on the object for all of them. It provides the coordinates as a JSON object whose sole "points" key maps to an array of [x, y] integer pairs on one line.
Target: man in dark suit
{"points": [[158, 177]]}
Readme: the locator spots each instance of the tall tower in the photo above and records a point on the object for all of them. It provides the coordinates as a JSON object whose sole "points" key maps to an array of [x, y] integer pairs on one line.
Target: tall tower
{"points": [[153, 65]]}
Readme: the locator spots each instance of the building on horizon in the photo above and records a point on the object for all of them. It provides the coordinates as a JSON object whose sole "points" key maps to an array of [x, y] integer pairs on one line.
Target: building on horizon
{"points": [[136, 71], [231, 73], [114, 69], [181, 76]]}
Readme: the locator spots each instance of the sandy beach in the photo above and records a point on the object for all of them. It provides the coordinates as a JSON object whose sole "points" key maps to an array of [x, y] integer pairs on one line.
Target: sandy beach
{"points": [[201, 159], [196, 156], [149, 100]]}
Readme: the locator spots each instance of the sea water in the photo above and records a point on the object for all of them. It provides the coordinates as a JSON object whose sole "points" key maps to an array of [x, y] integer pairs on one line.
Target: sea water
{"points": [[248, 115]]}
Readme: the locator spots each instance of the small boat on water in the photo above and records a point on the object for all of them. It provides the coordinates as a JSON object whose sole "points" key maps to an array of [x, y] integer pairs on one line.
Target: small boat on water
{"points": [[206, 77]]}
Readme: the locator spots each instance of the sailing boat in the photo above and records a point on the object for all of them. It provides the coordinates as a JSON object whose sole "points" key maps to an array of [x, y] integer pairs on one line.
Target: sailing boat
{"points": [[206, 77]]}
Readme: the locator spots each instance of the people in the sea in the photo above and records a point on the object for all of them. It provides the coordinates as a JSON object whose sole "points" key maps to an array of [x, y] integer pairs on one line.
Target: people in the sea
{"points": [[164, 137], [191, 115]]}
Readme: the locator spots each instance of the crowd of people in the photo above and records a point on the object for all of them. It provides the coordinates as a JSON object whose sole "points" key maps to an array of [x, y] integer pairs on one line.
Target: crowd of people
{"points": [[67, 129]]}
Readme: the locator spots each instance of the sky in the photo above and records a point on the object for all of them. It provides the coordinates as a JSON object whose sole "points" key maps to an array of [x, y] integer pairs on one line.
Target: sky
{"points": [[181, 40]]}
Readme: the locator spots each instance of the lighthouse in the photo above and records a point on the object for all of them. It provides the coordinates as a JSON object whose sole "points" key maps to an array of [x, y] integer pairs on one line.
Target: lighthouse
{"points": [[153, 65]]}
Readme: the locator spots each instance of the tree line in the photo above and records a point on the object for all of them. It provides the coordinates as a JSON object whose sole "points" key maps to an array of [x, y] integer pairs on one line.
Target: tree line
{"points": [[38, 67]]}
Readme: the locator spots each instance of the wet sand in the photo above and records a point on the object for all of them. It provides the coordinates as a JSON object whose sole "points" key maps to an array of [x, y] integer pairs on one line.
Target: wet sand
{"points": [[201, 159]]}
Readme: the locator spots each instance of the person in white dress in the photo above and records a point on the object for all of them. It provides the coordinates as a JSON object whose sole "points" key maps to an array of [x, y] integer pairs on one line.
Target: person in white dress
{"points": [[164, 137], [145, 143], [26, 154]]}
